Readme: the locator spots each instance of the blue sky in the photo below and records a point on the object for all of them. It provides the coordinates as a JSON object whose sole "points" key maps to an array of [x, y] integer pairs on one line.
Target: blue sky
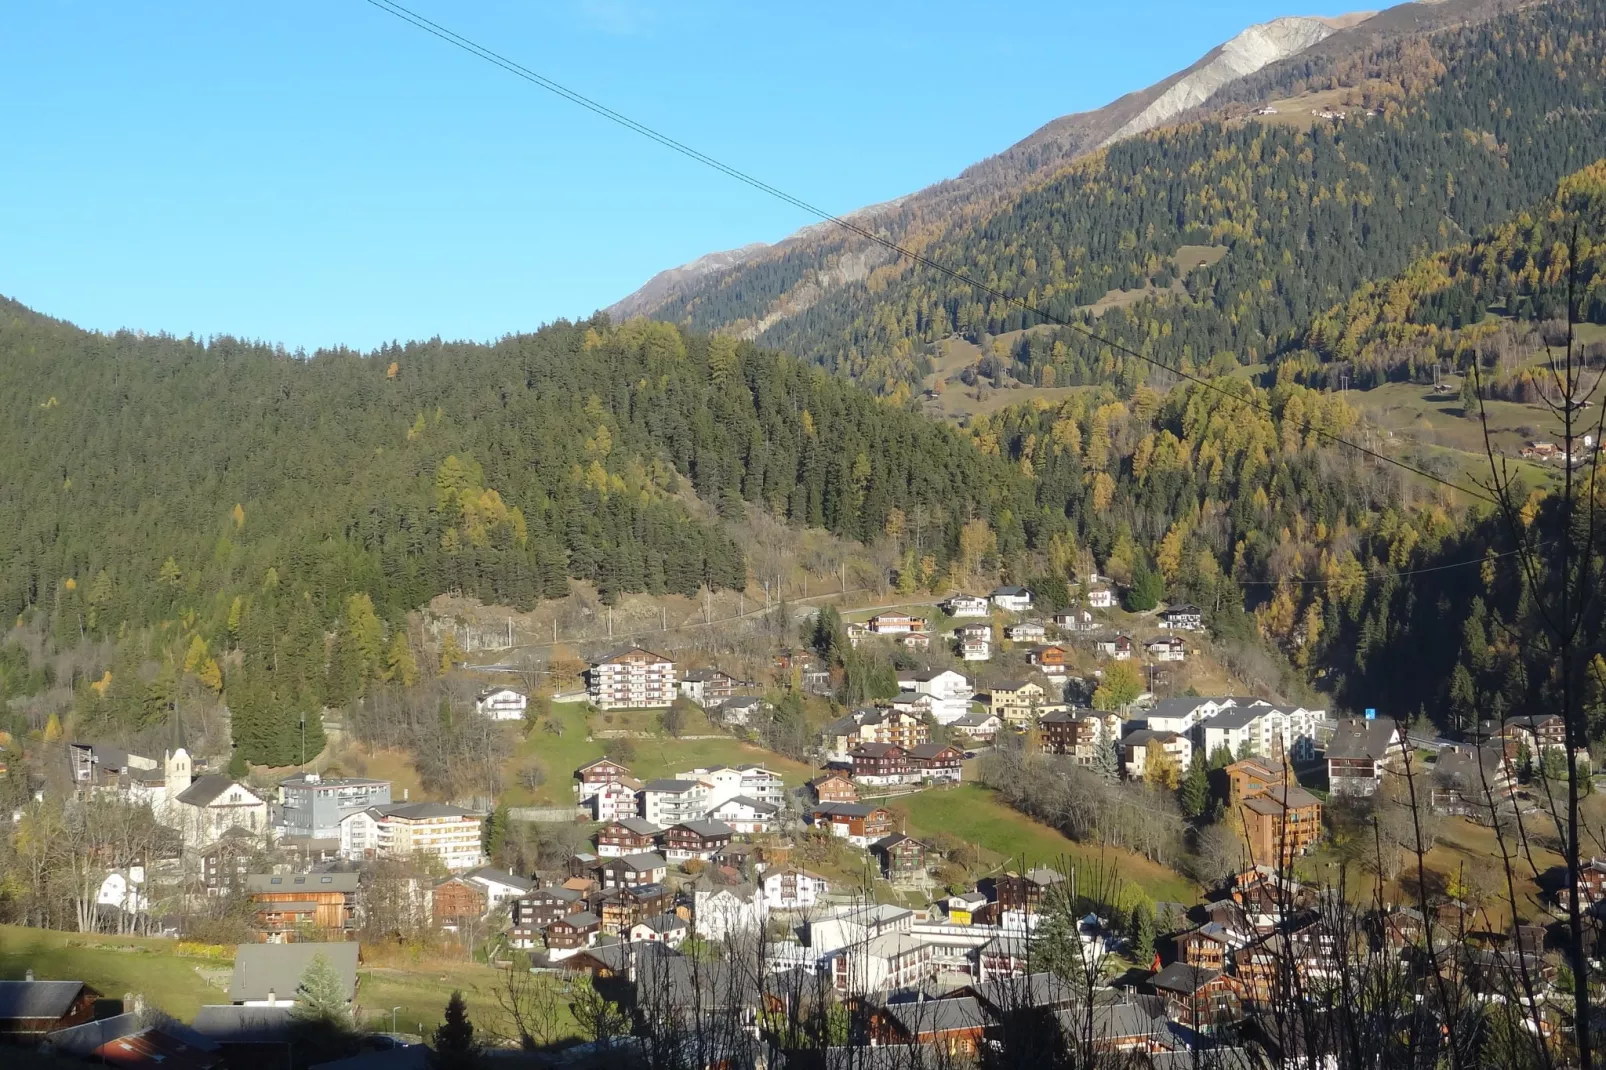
{"points": [[315, 172]]}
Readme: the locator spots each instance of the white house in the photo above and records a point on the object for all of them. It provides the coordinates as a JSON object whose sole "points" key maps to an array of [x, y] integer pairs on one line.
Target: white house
{"points": [[1181, 714], [203, 808], [1073, 620], [721, 911], [950, 692], [742, 710], [616, 799], [974, 649], [1012, 599], [664, 929], [722, 782], [669, 802], [1100, 598], [966, 605], [1030, 631], [896, 624], [499, 885], [793, 889], [502, 704], [746, 816], [1167, 648], [1136, 748], [1183, 618]]}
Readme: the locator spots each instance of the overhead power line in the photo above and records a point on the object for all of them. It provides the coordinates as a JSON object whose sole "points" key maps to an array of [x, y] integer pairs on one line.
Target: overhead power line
{"points": [[518, 70]]}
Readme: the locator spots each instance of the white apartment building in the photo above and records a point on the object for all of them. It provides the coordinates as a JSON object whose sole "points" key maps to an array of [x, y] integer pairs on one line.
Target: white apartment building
{"points": [[950, 692], [402, 830], [668, 802], [631, 678], [793, 889], [724, 782]]}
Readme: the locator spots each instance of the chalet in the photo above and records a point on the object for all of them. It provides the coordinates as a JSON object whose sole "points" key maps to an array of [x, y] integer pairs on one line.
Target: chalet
{"points": [[855, 632], [966, 908], [696, 839], [746, 816], [978, 727], [533, 912], [1022, 896], [627, 871], [500, 886], [858, 823], [1183, 618], [620, 908], [591, 777], [666, 929], [1208, 947], [1138, 750], [1591, 884], [572, 933], [1073, 620], [1100, 597], [1077, 734], [936, 762], [742, 710], [29, 1009], [1030, 631], [627, 836], [896, 624], [879, 764], [916, 641], [707, 687], [915, 704], [1197, 998], [1540, 732], [616, 800], [1360, 752], [455, 901], [793, 889], [1281, 822], [501, 704], [631, 678], [288, 907], [975, 641], [1049, 659], [669, 801], [966, 605], [902, 858], [1119, 648], [1166, 648], [226, 863], [1469, 780], [1017, 703], [834, 788], [1251, 776], [1011, 599], [872, 725]]}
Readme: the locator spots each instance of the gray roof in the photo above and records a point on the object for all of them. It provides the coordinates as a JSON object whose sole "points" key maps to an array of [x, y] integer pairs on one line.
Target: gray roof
{"points": [[973, 720], [1008, 591], [258, 883], [742, 701], [414, 811], [639, 825], [1180, 977], [1358, 738], [939, 1015], [37, 999], [707, 829], [670, 785], [755, 804], [1176, 707], [500, 876], [406, 1057], [203, 790], [263, 968], [1274, 799], [642, 860], [664, 923], [226, 1024], [845, 809], [1237, 717], [582, 920]]}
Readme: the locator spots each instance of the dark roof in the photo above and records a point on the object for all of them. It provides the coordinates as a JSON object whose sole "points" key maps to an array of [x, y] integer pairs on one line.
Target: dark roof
{"points": [[1358, 738], [886, 843], [1007, 591], [263, 968], [406, 1057], [1274, 799], [707, 829], [153, 1048], [413, 811], [845, 809], [930, 750], [81, 1040], [1183, 608], [642, 860], [621, 651], [939, 1015], [755, 804], [639, 825], [37, 999], [1180, 977], [669, 784], [242, 1025], [876, 750], [203, 790], [663, 923], [581, 920], [1176, 707], [258, 883]]}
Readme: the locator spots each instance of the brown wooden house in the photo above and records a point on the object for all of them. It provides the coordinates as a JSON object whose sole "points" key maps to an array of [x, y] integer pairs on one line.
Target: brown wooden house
{"points": [[573, 931], [936, 761], [834, 788], [901, 857], [29, 1009], [600, 772], [455, 901], [293, 906], [952, 1026], [627, 837]]}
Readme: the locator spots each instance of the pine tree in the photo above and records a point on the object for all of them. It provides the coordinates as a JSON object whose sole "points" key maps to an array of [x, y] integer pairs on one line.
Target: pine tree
{"points": [[1142, 934], [1195, 792], [320, 1022], [1106, 760], [400, 667], [454, 1043]]}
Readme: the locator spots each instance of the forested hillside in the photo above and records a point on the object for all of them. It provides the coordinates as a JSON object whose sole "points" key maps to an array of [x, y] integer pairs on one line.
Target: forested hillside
{"points": [[1477, 123], [244, 501]]}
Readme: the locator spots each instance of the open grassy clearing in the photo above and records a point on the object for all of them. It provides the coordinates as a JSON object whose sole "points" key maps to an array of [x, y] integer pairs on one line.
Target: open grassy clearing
{"points": [[1007, 839]]}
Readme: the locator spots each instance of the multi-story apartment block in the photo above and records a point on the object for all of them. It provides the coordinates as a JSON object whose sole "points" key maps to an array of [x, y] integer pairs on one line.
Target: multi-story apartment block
{"points": [[402, 830], [669, 802], [632, 678], [312, 806]]}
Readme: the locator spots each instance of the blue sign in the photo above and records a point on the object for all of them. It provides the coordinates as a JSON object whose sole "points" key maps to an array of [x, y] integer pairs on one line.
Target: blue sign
{"points": [[1371, 714]]}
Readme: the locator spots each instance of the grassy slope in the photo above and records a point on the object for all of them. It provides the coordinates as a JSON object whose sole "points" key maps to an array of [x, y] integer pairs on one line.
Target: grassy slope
{"points": [[1011, 840]]}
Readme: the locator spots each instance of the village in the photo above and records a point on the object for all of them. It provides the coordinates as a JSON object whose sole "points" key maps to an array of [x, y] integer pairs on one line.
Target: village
{"points": [[818, 882]]}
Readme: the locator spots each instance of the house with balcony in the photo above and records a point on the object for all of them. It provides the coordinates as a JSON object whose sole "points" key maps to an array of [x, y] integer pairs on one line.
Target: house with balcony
{"points": [[950, 692], [699, 840], [902, 858], [632, 678], [628, 871], [1027, 631], [895, 624], [978, 728], [1166, 648], [297, 907], [627, 836], [747, 816], [502, 704], [594, 776], [1018, 703], [1183, 618], [1280, 823], [1361, 753], [669, 801], [879, 764], [858, 823], [312, 807], [1011, 599], [961, 606], [791, 888], [937, 762], [708, 687], [1138, 749], [1049, 659]]}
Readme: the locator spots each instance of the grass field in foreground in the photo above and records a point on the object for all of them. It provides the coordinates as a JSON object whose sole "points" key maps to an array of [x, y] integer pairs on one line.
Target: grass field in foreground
{"points": [[117, 966], [1010, 839]]}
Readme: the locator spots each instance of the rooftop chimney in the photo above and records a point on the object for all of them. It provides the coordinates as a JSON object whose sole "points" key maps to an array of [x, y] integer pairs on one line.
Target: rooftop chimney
{"points": [[29, 975], [404, 793], [270, 997]]}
